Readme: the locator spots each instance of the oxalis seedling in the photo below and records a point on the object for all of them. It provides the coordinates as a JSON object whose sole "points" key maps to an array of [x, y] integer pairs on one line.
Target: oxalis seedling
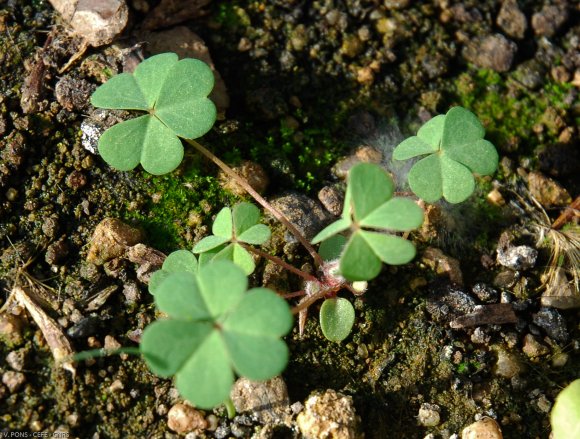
{"points": [[369, 211], [213, 328], [454, 147], [238, 227], [174, 94]]}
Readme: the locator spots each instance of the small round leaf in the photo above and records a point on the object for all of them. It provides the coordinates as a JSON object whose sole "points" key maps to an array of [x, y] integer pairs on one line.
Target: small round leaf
{"points": [[369, 186], [426, 180], [223, 224], [359, 261], [332, 247], [336, 318], [183, 104], [565, 416]]}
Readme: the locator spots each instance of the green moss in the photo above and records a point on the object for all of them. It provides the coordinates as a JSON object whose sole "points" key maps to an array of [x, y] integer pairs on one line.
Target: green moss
{"points": [[296, 158], [170, 199], [231, 16], [508, 111]]}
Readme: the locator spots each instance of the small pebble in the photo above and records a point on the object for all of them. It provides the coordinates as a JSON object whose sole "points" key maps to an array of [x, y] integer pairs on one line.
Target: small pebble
{"points": [[485, 428], [111, 239], [494, 52], [332, 198], [116, 386], [13, 380], [267, 401], [517, 258], [329, 415], [253, 173], [552, 322], [183, 418], [17, 359], [429, 415], [533, 348], [11, 327], [507, 364], [560, 359], [11, 194]]}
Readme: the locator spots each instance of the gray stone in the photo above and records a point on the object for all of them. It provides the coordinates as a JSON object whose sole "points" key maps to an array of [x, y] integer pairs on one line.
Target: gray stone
{"points": [[494, 52], [267, 401], [550, 19], [518, 258], [307, 215], [485, 293], [429, 415], [512, 20], [507, 365], [552, 322], [73, 93], [448, 303]]}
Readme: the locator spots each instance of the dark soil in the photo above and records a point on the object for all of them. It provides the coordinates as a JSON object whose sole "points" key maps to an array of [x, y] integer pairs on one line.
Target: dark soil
{"points": [[308, 82]]}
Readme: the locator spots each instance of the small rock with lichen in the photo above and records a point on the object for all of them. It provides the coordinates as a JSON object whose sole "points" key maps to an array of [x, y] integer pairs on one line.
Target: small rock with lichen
{"points": [[329, 415]]}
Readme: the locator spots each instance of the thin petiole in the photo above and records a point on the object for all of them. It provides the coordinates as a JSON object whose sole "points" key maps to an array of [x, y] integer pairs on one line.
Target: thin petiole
{"points": [[293, 295], [279, 262]]}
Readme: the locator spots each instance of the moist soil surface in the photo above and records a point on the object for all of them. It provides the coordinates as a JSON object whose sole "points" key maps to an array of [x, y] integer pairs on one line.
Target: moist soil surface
{"points": [[309, 84]]}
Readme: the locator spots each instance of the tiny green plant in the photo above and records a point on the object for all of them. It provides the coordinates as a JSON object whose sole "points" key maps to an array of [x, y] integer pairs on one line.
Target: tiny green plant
{"points": [[454, 147], [214, 327], [565, 416], [239, 227], [174, 95], [336, 318], [369, 211]]}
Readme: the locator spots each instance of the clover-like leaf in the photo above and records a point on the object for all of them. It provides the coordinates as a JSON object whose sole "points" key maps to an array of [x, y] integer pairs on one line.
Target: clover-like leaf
{"points": [[332, 247], [237, 254], [456, 149], [336, 318], [565, 416], [214, 329], [178, 261], [237, 225], [372, 212], [174, 93]]}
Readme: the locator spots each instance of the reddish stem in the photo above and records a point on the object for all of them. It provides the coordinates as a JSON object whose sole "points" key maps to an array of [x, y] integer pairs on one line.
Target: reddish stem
{"points": [[280, 262], [294, 294]]}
